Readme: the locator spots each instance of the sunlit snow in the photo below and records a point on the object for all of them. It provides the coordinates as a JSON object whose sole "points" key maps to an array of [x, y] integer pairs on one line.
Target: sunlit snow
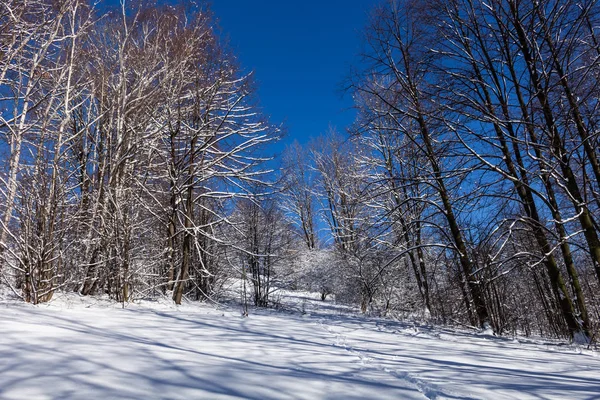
{"points": [[76, 348]]}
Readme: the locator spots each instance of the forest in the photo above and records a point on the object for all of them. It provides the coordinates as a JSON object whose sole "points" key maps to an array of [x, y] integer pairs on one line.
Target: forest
{"points": [[136, 162]]}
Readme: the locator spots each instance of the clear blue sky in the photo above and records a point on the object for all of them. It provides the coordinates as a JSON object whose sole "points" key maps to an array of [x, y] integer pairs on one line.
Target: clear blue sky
{"points": [[300, 52]]}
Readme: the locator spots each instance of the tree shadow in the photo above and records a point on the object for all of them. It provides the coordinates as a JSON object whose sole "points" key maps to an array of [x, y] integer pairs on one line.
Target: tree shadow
{"points": [[153, 354]]}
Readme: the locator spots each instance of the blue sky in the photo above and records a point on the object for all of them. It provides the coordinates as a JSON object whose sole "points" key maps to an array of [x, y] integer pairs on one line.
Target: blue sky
{"points": [[300, 52]]}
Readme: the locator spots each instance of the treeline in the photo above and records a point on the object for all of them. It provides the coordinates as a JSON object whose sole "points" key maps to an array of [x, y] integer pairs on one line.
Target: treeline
{"points": [[128, 137], [473, 165]]}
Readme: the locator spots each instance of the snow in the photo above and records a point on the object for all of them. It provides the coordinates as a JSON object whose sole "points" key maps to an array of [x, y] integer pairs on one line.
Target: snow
{"points": [[77, 348]]}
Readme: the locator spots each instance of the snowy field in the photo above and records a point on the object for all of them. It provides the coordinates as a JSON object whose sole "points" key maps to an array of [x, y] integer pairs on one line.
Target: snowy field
{"points": [[76, 349]]}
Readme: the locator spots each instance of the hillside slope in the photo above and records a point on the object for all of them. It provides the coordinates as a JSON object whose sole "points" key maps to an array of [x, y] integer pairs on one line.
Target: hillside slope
{"points": [[73, 349]]}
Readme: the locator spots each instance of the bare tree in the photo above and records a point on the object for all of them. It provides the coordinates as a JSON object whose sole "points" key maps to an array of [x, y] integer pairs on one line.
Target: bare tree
{"points": [[47, 83], [402, 82], [136, 133], [298, 197]]}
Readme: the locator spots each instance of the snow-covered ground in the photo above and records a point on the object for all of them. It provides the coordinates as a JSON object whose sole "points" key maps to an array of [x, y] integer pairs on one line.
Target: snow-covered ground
{"points": [[77, 349]]}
